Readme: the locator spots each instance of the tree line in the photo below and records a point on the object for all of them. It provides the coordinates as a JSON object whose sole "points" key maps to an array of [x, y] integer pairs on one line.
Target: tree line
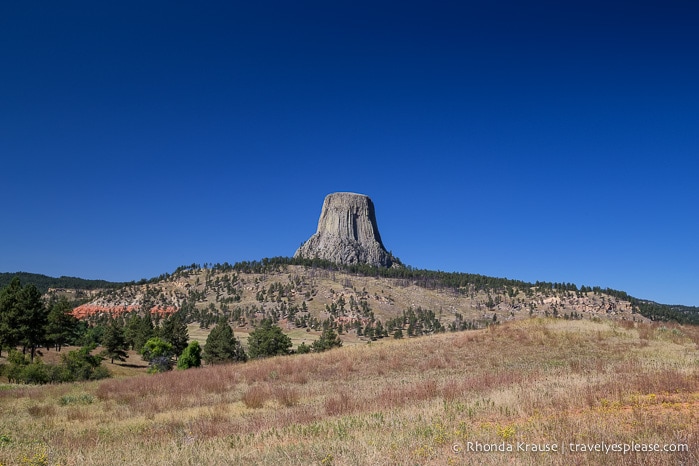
{"points": [[28, 323], [44, 282]]}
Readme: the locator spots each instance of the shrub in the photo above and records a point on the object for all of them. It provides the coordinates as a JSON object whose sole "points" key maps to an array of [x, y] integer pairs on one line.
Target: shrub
{"points": [[75, 366], [190, 357], [303, 348], [159, 354], [82, 365], [329, 339]]}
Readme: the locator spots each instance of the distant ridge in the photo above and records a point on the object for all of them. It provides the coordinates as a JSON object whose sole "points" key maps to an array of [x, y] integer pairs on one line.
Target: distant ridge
{"points": [[44, 282]]}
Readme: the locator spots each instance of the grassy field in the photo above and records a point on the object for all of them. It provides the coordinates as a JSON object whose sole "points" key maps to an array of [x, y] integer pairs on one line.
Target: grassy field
{"points": [[453, 398]]}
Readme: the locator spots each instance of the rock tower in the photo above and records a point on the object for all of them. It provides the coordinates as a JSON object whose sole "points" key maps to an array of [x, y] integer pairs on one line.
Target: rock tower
{"points": [[347, 233]]}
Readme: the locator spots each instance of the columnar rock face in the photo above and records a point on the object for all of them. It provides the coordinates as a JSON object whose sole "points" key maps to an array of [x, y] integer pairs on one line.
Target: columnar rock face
{"points": [[347, 233]]}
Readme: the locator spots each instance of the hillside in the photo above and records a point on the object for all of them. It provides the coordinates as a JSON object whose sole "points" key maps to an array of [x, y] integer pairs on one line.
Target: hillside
{"points": [[76, 289], [453, 398], [305, 294]]}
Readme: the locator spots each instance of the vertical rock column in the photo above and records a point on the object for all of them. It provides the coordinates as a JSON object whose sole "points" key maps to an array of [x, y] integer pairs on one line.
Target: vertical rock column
{"points": [[347, 233]]}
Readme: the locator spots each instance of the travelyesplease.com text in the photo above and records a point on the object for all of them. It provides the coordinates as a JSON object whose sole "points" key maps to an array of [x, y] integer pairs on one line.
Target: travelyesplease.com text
{"points": [[563, 447]]}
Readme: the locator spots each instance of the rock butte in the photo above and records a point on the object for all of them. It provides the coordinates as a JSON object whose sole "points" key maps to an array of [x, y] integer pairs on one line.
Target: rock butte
{"points": [[347, 233]]}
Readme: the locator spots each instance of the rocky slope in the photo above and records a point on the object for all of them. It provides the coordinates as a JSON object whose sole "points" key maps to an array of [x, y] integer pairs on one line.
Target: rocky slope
{"points": [[295, 293]]}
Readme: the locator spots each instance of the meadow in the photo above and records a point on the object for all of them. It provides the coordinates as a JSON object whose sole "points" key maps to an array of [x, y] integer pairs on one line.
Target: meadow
{"points": [[583, 388]]}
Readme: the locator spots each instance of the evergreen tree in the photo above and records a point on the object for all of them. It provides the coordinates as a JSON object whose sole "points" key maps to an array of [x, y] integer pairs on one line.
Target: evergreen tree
{"points": [[221, 345], [81, 364], [114, 341], [10, 315], [62, 325], [268, 340], [174, 331], [329, 339], [138, 331], [131, 326], [33, 318], [93, 335], [303, 348]]}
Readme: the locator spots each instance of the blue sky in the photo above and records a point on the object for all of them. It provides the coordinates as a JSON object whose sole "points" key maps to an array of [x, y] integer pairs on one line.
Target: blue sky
{"points": [[552, 141]]}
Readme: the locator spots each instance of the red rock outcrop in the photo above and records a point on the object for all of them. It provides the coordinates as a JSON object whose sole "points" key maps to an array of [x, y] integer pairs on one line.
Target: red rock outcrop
{"points": [[89, 310]]}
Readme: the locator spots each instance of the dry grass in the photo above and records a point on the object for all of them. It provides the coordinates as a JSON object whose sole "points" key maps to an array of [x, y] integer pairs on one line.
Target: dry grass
{"points": [[409, 401]]}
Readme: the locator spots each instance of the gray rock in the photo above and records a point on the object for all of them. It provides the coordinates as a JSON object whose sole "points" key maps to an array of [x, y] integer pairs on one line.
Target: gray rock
{"points": [[347, 233]]}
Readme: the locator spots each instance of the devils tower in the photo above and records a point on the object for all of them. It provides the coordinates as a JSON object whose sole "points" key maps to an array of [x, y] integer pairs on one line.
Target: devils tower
{"points": [[347, 233]]}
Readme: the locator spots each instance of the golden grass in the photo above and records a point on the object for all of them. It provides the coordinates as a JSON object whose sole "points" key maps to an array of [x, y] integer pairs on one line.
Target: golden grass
{"points": [[412, 401]]}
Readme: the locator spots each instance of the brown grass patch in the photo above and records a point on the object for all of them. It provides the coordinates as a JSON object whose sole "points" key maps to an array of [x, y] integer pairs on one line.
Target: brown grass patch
{"points": [[394, 402], [339, 403], [286, 396], [41, 410], [256, 396]]}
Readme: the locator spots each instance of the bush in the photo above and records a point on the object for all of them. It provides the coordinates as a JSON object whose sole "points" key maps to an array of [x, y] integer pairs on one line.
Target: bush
{"points": [[159, 354], [82, 365], [35, 373], [190, 357], [75, 366], [303, 348], [329, 339]]}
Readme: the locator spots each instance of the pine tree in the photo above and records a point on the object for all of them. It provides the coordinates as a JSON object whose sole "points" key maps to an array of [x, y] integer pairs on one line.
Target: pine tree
{"points": [[138, 331], [114, 341], [10, 314], [329, 339], [268, 340], [33, 319], [221, 345], [62, 324], [174, 331], [303, 348]]}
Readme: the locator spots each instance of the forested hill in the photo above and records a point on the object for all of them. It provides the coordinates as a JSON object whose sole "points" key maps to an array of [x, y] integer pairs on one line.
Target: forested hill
{"points": [[44, 282]]}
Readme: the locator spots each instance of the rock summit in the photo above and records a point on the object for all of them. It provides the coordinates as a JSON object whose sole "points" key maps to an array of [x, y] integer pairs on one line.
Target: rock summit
{"points": [[347, 233]]}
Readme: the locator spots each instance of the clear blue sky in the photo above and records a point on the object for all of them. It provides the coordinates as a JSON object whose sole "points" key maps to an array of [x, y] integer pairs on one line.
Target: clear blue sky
{"points": [[554, 141]]}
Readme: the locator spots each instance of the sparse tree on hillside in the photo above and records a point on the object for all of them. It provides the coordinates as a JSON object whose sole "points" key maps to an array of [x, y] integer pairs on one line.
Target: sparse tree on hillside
{"points": [[303, 348]]}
